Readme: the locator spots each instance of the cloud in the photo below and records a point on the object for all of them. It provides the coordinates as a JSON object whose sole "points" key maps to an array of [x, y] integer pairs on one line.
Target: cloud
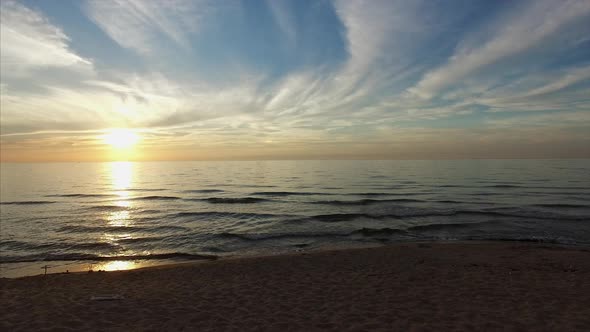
{"points": [[140, 25], [565, 90], [571, 119], [29, 41], [572, 77], [149, 101], [375, 34], [284, 19], [520, 30], [392, 87]]}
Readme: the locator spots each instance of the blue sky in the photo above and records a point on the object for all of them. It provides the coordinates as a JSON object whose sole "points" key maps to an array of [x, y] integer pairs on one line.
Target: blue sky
{"points": [[296, 79]]}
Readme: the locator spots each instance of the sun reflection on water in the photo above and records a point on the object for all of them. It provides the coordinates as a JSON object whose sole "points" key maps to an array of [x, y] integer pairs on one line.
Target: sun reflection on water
{"points": [[121, 175], [117, 265], [120, 265], [119, 218], [121, 181]]}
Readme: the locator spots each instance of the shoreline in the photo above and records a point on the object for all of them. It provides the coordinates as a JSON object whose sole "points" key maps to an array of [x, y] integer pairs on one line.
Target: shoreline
{"points": [[81, 267], [142, 264], [403, 286]]}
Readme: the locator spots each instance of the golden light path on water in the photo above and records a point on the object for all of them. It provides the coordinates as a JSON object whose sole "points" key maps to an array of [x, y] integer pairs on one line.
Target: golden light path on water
{"points": [[121, 175], [121, 179], [117, 265]]}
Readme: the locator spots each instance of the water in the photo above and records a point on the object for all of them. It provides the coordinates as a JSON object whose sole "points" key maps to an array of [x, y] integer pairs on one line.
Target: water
{"points": [[121, 215]]}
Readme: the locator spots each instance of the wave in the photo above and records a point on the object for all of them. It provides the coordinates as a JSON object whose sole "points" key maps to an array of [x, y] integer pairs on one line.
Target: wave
{"points": [[534, 239], [368, 201], [449, 186], [559, 188], [213, 249], [22, 245], [571, 193], [570, 206], [339, 217], [91, 229], [27, 202], [166, 228], [149, 211], [487, 194], [92, 246], [504, 186], [413, 232], [239, 215], [155, 198], [203, 191], [378, 231], [449, 226], [254, 186], [510, 214], [262, 237], [376, 194], [97, 258], [368, 194], [542, 215], [287, 193], [15, 245], [81, 195], [230, 200], [121, 229], [449, 201], [143, 240], [145, 189], [107, 208]]}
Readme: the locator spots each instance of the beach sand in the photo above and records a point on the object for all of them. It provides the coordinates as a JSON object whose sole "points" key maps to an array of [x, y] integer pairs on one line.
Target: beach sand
{"points": [[404, 287]]}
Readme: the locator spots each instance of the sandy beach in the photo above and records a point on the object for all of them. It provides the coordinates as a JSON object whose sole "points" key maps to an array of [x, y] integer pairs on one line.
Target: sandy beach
{"points": [[406, 287]]}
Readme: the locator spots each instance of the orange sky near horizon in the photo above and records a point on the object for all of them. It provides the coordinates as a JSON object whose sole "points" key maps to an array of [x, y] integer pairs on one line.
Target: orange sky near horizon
{"points": [[148, 149]]}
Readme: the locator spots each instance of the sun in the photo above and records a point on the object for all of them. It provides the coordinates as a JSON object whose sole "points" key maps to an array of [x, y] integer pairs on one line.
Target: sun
{"points": [[121, 138]]}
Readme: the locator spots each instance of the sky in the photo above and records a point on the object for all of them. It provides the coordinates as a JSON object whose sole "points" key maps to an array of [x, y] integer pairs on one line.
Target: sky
{"points": [[255, 80]]}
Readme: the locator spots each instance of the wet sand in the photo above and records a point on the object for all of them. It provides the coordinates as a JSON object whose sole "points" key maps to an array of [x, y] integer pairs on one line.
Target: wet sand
{"points": [[404, 287]]}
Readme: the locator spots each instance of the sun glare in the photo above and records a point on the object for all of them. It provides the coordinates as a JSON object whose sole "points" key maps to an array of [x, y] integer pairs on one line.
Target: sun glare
{"points": [[121, 138]]}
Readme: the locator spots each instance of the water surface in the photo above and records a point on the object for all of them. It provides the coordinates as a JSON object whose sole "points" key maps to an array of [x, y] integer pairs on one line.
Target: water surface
{"points": [[122, 215]]}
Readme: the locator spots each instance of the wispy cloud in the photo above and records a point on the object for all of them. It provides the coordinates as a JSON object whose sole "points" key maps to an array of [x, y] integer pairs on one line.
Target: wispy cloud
{"points": [[29, 41], [402, 79], [374, 34], [284, 19], [521, 29], [140, 24], [572, 77]]}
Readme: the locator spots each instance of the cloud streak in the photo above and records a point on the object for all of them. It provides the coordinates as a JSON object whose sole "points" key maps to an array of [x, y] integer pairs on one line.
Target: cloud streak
{"points": [[29, 41], [138, 24], [522, 29]]}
